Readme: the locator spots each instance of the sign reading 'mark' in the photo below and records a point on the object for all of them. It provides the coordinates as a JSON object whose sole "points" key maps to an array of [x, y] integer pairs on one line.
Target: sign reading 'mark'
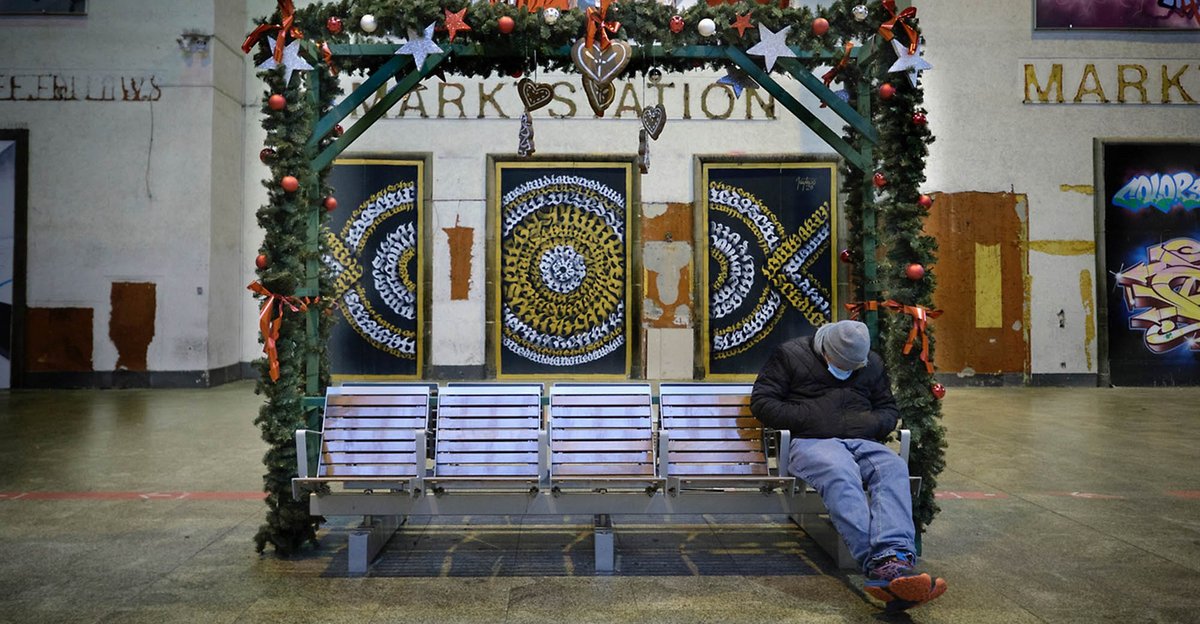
{"points": [[1079, 81]]}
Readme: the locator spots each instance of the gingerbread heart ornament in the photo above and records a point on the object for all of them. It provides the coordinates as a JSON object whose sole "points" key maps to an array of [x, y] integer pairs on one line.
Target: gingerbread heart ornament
{"points": [[601, 66], [534, 95], [654, 119], [600, 96]]}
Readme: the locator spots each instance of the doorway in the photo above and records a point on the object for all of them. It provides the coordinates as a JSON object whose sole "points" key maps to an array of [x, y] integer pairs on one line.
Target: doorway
{"points": [[14, 159]]}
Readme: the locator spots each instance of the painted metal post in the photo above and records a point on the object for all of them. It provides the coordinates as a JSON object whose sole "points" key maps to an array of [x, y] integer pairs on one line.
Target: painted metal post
{"points": [[870, 285]]}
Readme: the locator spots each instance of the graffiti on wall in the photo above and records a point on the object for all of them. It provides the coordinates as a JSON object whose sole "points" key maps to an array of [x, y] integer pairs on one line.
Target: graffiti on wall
{"points": [[1152, 257], [771, 272], [374, 257], [562, 269]]}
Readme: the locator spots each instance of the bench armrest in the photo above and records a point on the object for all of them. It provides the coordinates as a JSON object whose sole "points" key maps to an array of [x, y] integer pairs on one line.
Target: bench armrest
{"points": [[302, 451], [661, 457], [783, 452], [905, 444]]}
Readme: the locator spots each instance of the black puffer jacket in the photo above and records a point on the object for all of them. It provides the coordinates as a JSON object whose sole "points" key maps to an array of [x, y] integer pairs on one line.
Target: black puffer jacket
{"points": [[795, 391]]}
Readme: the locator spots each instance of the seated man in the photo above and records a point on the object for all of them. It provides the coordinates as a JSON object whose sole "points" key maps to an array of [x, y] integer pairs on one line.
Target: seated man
{"points": [[833, 394]]}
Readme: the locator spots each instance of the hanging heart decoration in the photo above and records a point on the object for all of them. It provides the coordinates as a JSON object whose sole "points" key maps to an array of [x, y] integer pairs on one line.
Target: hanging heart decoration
{"points": [[599, 96], [534, 95], [525, 145], [601, 65], [643, 159], [654, 119]]}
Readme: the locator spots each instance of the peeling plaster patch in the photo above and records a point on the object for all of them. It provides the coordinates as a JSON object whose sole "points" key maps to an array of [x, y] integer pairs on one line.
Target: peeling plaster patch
{"points": [[131, 324], [1063, 247], [667, 260], [651, 211], [683, 316], [460, 242], [1089, 309], [1082, 189], [651, 310]]}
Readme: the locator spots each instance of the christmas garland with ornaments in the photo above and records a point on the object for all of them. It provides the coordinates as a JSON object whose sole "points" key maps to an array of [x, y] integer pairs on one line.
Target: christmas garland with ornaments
{"points": [[885, 207]]}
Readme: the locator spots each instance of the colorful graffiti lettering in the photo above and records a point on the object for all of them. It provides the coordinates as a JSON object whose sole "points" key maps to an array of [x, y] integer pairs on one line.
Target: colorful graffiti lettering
{"points": [[1161, 191], [1167, 291]]}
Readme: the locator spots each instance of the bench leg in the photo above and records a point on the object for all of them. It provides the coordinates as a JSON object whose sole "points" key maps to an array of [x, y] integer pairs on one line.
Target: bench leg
{"points": [[602, 530], [821, 530], [368, 539]]}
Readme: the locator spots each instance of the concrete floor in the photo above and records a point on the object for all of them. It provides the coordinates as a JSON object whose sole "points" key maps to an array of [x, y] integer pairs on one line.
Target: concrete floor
{"points": [[1058, 505]]}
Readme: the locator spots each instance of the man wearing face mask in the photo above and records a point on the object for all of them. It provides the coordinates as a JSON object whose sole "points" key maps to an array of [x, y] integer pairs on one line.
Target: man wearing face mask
{"points": [[833, 394]]}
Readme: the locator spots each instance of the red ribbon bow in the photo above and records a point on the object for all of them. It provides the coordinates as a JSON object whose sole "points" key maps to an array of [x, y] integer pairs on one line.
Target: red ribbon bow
{"points": [[921, 316], [596, 23], [856, 309], [269, 321], [885, 30], [327, 54], [287, 14], [831, 74]]}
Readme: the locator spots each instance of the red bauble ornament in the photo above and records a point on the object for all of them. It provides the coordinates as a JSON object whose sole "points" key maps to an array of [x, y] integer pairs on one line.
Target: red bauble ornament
{"points": [[261, 262], [334, 24], [330, 203], [338, 130], [505, 24], [886, 91], [914, 271], [925, 201], [845, 256], [289, 184], [276, 102], [820, 26], [676, 24], [880, 180], [516, 73], [938, 390], [266, 155], [919, 119]]}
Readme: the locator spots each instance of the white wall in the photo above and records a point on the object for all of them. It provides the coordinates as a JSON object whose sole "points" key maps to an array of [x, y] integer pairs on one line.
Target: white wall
{"points": [[125, 190]]}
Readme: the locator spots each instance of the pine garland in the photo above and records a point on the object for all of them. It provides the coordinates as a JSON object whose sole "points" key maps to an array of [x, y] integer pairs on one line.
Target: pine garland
{"points": [[533, 43]]}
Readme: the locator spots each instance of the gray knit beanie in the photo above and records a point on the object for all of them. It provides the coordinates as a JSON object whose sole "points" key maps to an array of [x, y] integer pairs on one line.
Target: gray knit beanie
{"points": [[844, 343]]}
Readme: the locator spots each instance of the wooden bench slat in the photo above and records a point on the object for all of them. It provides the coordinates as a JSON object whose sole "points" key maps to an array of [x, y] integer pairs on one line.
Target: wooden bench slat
{"points": [[369, 446], [487, 446], [377, 399], [406, 411], [704, 399], [367, 458], [484, 411], [488, 423], [487, 458], [459, 470], [402, 434], [715, 434], [677, 470], [475, 400], [374, 423], [602, 470], [600, 434], [487, 435], [600, 423], [594, 411], [601, 445], [701, 411], [557, 400], [719, 422], [403, 471], [601, 458], [717, 457], [715, 445]]}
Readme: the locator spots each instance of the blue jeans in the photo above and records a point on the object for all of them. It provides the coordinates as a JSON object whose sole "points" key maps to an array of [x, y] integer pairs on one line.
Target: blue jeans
{"points": [[873, 527]]}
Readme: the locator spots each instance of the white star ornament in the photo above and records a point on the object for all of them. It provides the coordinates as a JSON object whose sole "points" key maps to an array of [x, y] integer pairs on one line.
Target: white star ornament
{"points": [[292, 60], [771, 45], [420, 47], [910, 64]]}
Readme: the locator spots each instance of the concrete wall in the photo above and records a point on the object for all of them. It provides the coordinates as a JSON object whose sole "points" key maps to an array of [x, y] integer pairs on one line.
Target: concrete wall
{"points": [[135, 171]]}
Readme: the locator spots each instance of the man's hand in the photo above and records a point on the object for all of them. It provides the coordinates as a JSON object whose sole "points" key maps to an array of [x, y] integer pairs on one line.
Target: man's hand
{"points": [[859, 424]]}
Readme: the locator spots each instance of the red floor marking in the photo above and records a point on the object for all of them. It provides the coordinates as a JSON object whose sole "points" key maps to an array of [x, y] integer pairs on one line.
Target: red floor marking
{"points": [[969, 495], [1088, 495], [1188, 494], [204, 496]]}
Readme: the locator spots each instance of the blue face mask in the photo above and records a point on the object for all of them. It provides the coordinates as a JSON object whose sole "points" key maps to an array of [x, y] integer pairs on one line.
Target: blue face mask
{"points": [[841, 375]]}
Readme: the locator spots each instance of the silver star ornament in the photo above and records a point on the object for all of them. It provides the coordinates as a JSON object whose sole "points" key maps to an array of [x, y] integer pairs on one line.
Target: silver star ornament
{"points": [[911, 64], [420, 47], [771, 45], [292, 60]]}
